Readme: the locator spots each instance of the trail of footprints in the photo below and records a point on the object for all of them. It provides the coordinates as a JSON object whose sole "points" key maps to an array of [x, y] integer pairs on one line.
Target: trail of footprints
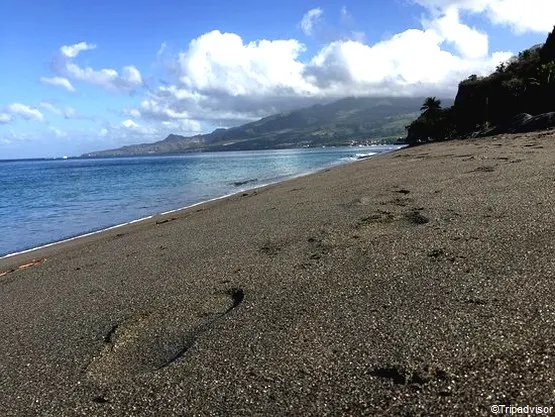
{"points": [[413, 216], [318, 245]]}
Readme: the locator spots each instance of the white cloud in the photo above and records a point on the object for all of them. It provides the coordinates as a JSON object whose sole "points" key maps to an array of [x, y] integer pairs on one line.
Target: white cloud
{"points": [[184, 126], [107, 78], [130, 131], [129, 124], [470, 43], [110, 79], [222, 63], [358, 36], [162, 49], [26, 112], [132, 112], [530, 16], [51, 108], [153, 109], [59, 82], [345, 16], [67, 112], [57, 132], [410, 63], [71, 51], [222, 80], [5, 118], [310, 19]]}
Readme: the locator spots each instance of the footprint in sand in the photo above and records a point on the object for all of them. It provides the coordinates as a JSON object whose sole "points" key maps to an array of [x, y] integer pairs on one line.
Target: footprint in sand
{"points": [[401, 375], [417, 218], [379, 217], [270, 249], [484, 169], [153, 340], [414, 217]]}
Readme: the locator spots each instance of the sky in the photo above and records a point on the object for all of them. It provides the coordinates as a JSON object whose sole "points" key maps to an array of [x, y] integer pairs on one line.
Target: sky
{"points": [[79, 76]]}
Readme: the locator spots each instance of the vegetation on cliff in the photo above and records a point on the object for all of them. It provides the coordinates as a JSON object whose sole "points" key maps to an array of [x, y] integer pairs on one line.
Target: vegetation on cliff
{"points": [[524, 84]]}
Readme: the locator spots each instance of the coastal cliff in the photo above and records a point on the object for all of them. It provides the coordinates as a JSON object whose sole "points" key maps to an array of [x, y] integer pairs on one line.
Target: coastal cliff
{"points": [[523, 85]]}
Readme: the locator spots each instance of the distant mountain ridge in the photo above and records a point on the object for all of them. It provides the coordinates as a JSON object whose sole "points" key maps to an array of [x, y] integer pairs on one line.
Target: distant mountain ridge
{"points": [[342, 122]]}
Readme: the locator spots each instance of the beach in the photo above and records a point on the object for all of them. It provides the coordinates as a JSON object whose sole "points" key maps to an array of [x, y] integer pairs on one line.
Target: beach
{"points": [[413, 283]]}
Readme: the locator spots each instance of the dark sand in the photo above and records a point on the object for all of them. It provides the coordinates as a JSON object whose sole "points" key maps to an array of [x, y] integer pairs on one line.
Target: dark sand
{"points": [[415, 283]]}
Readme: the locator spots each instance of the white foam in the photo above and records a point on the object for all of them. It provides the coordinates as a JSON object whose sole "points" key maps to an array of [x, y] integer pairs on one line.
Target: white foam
{"points": [[9, 255], [365, 155]]}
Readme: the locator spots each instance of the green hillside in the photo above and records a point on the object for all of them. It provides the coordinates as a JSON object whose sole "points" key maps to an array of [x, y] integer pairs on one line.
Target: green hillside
{"points": [[344, 122]]}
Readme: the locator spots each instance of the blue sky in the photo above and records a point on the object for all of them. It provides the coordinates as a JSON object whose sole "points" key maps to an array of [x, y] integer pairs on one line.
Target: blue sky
{"points": [[82, 76]]}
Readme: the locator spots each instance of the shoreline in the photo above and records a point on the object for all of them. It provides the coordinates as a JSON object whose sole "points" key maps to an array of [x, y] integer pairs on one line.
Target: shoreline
{"points": [[411, 281], [163, 215], [179, 209]]}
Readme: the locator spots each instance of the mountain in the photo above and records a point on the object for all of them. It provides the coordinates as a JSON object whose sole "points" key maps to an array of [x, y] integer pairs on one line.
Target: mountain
{"points": [[350, 120]]}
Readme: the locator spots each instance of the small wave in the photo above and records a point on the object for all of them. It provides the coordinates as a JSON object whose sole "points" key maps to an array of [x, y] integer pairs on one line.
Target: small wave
{"points": [[240, 183], [365, 155], [358, 156]]}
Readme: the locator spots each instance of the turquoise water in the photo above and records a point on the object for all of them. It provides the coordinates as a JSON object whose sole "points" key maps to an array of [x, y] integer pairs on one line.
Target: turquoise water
{"points": [[44, 201]]}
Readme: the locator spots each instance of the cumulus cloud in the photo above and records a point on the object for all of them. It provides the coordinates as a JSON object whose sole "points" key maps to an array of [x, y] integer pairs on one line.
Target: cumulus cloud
{"points": [[222, 63], [110, 79], [5, 118], [222, 80], [59, 82], [531, 16], [410, 63], [310, 20], [470, 42], [26, 112]]}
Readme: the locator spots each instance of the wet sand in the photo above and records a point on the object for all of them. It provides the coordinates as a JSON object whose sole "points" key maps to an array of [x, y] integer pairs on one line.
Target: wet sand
{"points": [[416, 283]]}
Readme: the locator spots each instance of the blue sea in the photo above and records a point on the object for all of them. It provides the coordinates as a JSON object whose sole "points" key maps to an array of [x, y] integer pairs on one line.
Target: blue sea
{"points": [[45, 201]]}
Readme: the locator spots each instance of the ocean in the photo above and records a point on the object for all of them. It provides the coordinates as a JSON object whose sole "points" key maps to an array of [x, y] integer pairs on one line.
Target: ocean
{"points": [[46, 201]]}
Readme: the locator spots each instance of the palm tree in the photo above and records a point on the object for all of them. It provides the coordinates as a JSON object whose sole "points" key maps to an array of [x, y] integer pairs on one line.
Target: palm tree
{"points": [[431, 107], [544, 87], [546, 75]]}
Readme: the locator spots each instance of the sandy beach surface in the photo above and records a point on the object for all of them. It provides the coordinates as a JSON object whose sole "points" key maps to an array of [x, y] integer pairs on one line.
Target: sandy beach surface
{"points": [[420, 282]]}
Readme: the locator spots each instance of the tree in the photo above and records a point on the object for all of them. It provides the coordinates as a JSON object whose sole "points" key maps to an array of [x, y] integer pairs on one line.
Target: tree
{"points": [[546, 75], [431, 124], [543, 85], [431, 107]]}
